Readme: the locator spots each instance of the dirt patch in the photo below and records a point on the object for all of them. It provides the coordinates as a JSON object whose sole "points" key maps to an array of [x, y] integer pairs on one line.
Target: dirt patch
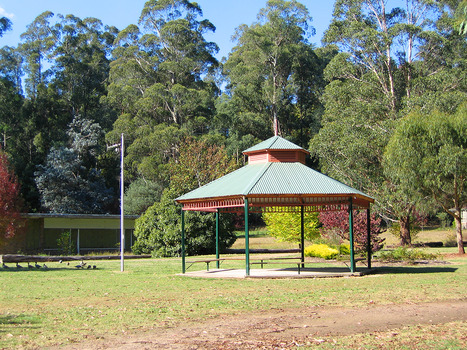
{"points": [[285, 328]]}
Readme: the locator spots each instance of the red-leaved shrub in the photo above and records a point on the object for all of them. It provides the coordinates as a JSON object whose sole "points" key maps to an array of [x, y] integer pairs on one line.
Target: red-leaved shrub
{"points": [[338, 222]]}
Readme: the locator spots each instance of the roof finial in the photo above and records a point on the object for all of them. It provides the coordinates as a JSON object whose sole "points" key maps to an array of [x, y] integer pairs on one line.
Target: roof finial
{"points": [[276, 126]]}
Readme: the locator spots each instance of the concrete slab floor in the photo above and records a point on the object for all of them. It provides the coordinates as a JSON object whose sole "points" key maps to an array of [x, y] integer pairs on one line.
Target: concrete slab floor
{"points": [[324, 272]]}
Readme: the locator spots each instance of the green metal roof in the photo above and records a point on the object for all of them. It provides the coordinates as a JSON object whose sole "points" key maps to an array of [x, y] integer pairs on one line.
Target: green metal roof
{"points": [[235, 183], [293, 182], [275, 142], [272, 179]]}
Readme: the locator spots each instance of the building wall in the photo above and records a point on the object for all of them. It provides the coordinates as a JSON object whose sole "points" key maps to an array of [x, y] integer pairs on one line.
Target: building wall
{"points": [[85, 240], [98, 233]]}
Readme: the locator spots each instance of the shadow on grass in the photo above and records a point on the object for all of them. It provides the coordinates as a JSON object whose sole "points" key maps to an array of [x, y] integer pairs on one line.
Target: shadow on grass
{"points": [[413, 269], [18, 319], [253, 235], [48, 269]]}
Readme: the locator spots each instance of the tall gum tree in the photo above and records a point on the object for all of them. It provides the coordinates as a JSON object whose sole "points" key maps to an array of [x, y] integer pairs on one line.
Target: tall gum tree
{"points": [[176, 34], [11, 66], [82, 64], [370, 80], [440, 81], [273, 73], [40, 38], [157, 82]]}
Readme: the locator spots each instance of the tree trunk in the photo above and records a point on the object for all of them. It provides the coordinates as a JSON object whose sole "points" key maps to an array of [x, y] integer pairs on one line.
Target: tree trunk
{"points": [[460, 242], [404, 223]]}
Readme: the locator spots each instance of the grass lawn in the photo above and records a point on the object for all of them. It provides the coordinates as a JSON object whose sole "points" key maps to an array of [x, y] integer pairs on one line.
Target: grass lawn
{"points": [[65, 305], [426, 234]]}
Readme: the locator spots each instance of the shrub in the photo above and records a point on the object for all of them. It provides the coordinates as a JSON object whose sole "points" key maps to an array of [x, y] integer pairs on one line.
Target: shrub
{"points": [[158, 230], [451, 240], [344, 249], [10, 201], [321, 251], [405, 254], [65, 244], [140, 195], [338, 222], [286, 227]]}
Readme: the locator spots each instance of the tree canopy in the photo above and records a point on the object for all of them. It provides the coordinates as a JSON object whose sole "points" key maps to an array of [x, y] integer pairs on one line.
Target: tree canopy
{"points": [[158, 230], [5, 24], [274, 74], [375, 80], [427, 158], [286, 227], [73, 85], [65, 184]]}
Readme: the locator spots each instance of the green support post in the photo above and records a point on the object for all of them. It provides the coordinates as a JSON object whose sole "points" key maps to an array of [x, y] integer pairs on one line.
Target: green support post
{"points": [[247, 239], [352, 258], [183, 241], [368, 237], [302, 234], [217, 238]]}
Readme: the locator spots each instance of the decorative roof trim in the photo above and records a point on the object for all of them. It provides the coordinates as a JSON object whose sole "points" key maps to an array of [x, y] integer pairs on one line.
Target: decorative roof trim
{"points": [[294, 200]]}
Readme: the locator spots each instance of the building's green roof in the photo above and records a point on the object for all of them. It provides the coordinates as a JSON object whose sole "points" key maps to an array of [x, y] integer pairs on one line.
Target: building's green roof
{"points": [[275, 142], [271, 179]]}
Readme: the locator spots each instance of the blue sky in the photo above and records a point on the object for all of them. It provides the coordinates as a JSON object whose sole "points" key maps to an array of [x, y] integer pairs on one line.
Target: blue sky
{"points": [[226, 15]]}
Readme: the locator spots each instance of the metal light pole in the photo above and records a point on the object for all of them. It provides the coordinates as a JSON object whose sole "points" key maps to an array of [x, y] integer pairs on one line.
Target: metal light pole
{"points": [[121, 145], [122, 226]]}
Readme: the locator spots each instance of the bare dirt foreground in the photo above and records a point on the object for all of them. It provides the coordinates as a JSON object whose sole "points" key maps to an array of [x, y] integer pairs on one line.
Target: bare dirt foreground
{"points": [[286, 328]]}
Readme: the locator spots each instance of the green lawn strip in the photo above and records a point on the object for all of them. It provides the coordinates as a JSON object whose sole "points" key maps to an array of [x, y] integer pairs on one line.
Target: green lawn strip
{"points": [[64, 304]]}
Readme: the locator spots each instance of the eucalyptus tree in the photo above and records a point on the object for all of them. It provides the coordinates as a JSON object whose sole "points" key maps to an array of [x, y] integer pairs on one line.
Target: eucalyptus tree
{"points": [[11, 99], [10, 113], [461, 17], [156, 81], [41, 112], [5, 25], [371, 82], [39, 40], [441, 75], [11, 66], [272, 71], [378, 41], [427, 158], [184, 55], [82, 64]]}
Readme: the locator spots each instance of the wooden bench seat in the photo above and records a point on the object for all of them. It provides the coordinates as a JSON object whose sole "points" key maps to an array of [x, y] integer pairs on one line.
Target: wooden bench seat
{"points": [[263, 262], [207, 261], [362, 260]]}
